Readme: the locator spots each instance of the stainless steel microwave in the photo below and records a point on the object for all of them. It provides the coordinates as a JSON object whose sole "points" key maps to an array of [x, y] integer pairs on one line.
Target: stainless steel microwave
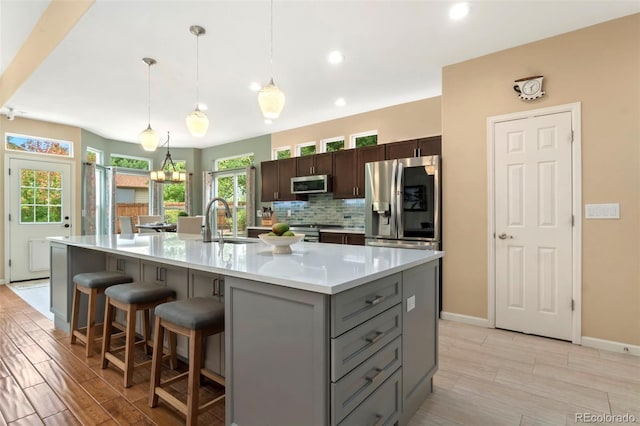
{"points": [[311, 184]]}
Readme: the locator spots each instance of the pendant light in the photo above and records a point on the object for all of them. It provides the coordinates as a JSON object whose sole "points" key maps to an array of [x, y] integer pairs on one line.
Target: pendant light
{"points": [[197, 121], [148, 137], [270, 97], [170, 175]]}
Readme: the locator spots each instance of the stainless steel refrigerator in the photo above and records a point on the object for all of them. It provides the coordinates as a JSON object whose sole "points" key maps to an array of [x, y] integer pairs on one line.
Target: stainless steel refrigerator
{"points": [[402, 203]]}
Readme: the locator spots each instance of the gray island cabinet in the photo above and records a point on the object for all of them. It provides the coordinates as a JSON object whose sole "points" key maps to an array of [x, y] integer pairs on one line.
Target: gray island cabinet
{"points": [[329, 335]]}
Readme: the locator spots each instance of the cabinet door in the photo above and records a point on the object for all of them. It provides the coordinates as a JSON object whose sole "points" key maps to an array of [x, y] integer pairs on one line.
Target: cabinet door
{"points": [[323, 164], [430, 146], [204, 284], [304, 165], [403, 149], [269, 174], [344, 182], [253, 233], [126, 265], [354, 239], [366, 155], [286, 170], [331, 237]]}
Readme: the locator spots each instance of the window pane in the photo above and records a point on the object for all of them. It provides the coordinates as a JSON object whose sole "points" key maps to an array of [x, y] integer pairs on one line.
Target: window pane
{"points": [[33, 144], [27, 177], [241, 214], [307, 150], [55, 214], [130, 163], [285, 153], [27, 214], [42, 178], [234, 163], [91, 157], [42, 196], [42, 214], [27, 196], [335, 146], [366, 141], [225, 189], [55, 197], [55, 180]]}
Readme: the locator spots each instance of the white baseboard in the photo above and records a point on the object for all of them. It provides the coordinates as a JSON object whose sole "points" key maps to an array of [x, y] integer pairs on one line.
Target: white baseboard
{"points": [[2, 282], [609, 345], [480, 322]]}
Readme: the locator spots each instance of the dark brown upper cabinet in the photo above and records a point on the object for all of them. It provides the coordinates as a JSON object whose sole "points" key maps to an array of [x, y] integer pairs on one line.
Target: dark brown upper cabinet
{"points": [[348, 170], [414, 148], [276, 180], [318, 164]]}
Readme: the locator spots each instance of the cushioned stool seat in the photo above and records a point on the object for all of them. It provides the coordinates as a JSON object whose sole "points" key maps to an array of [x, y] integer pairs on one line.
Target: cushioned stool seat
{"points": [[197, 318], [92, 284], [132, 298]]}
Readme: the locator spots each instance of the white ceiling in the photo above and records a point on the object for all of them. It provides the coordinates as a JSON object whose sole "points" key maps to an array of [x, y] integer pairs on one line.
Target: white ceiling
{"points": [[394, 50]]}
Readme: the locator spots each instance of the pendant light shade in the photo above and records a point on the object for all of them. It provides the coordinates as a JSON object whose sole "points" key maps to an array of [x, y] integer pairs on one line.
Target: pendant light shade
{"points": [[270, 97], [148, 137], [197, 121], [271, 100]]}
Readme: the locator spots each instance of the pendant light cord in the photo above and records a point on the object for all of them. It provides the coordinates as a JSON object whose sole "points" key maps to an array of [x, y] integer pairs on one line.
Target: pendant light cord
{"points": [[271, 40], [149, 95], [198, 71]]}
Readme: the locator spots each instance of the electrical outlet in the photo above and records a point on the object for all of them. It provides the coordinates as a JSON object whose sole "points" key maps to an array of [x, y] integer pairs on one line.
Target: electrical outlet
{"points": [[411, 303], [602, 211], [259, 213], [288, 213]]}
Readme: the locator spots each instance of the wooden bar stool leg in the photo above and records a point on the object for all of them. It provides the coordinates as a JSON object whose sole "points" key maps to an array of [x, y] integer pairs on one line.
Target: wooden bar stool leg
{"points": [[106, 338], [146, 331], [193, 386], [74, 312], [156, 363], [91, 322], [129, 345], [173, 359]]}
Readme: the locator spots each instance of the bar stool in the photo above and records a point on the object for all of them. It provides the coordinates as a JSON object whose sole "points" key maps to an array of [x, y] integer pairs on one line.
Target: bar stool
{"points": [[197, 318], [92, 284], [132, 298]]}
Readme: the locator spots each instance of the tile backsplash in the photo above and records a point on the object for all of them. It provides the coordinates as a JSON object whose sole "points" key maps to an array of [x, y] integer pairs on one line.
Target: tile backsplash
{"points": [[323, 209]]}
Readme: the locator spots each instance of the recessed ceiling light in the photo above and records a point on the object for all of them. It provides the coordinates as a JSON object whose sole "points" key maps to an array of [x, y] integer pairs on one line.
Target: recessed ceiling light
{"points": [[202, 107], [255, 86], [267, 121], [459, 11], [340, 102], [335, 57]]}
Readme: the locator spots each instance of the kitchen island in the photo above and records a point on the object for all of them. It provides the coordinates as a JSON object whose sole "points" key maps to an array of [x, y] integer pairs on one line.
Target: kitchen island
{"points": [[330, 334]]}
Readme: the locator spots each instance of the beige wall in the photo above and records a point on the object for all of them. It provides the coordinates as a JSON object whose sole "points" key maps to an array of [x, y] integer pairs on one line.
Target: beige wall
{"points": [[45, 130], [598, 66], [400, 122]]}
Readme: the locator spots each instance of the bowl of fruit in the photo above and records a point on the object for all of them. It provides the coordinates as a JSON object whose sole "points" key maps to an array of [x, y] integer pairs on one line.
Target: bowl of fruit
{"points": [[281, 238]]}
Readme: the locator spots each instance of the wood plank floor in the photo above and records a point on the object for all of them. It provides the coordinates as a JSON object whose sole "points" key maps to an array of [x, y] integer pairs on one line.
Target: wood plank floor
{"points": [[486, 377]]}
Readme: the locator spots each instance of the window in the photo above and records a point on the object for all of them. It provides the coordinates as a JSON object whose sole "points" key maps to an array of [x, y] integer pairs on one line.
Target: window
{"points": [[95, 156], [128, 162], [332, 144], [40, 196], [230, 183], [282, 152], [35, 145], [307, 148], [234, 162], [173, 195], [364, 139]]}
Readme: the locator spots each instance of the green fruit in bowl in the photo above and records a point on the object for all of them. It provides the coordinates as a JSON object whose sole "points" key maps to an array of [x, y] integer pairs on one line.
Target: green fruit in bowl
{"points": [[272, 234], [288, 234], [280, 228]]}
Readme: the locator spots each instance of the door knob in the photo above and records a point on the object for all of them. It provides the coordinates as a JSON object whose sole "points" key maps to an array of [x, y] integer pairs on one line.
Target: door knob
{"points": [[504, 236], [66, 225]]}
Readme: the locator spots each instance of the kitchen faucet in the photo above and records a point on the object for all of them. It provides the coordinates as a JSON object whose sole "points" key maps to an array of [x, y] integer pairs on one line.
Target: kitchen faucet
{"points": [[206, 237]]}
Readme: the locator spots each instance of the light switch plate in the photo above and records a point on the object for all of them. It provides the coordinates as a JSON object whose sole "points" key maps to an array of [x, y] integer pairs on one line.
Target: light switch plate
{"points": [[411, 303], [602, 211]]}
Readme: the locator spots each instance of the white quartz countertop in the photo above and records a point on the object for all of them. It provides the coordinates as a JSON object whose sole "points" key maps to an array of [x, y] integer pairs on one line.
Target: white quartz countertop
{"points": [[316, 267], [343, 230]]}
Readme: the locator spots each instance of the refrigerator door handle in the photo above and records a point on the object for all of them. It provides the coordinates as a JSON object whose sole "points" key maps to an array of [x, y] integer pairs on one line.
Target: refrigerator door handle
{"points": [[399, 193]]}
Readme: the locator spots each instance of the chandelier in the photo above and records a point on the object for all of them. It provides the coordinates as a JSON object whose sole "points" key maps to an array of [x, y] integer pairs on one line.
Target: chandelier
{"points": [[168, 172]]}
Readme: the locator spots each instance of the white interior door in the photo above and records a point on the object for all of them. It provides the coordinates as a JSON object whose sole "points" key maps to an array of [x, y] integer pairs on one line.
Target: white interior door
{"points": [[533, 225], [39, 207]]}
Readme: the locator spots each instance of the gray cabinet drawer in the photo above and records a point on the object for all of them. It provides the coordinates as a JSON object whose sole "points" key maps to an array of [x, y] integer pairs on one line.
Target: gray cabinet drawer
{"points": [[382, 408], [352, 307], [356, 386], [355, 346]]}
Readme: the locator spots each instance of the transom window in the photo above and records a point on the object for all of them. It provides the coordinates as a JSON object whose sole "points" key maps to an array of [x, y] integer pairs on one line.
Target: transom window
{"points": [[282, 152], [332, 144], [40, 196], [307, 148], [359, 140], [35, 145], [95, 156], [234, 162], [128, 162]]}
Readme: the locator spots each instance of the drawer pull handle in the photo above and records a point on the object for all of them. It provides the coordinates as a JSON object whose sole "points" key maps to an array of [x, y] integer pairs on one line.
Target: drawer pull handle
{"points": [[375, 300], [376, 376], [378, 336], [379, 420]]}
